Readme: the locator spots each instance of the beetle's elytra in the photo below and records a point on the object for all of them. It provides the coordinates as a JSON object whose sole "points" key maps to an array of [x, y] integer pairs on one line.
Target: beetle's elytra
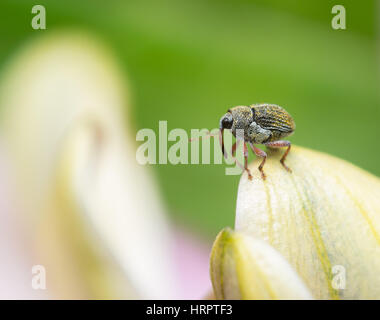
{"points": [[263, 124]]}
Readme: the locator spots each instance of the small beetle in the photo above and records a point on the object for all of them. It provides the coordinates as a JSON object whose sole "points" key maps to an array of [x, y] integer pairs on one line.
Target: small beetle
{"points": [[262, 124]]}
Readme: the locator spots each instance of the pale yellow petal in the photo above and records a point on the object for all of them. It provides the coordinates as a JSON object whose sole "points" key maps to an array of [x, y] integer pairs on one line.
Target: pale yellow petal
{"points": [[246, 268], [324, 218]]}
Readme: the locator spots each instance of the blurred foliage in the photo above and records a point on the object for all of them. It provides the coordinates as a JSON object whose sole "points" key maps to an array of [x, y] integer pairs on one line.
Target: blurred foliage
{"points": [[188, 61]]}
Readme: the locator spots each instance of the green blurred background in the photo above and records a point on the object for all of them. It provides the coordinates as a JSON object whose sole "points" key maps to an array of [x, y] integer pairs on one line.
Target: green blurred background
{"points": [[188, 61]]}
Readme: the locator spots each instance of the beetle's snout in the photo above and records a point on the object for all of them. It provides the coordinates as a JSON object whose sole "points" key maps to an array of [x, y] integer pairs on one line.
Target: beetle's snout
{"points": [[226, 121]]}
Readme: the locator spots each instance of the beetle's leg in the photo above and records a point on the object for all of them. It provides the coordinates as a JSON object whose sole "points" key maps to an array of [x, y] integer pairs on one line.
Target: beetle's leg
{"points": [[233, 151], [234, 147], [281, 144], [221, 141], [260, 153], [246, 161]]}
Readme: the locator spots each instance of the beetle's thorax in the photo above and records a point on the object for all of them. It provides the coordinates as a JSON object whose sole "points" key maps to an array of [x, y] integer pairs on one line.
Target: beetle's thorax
{"points": [[245, 127], [242, 118]]}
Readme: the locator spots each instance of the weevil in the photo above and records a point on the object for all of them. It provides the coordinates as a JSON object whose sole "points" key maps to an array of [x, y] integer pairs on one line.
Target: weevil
{"points": [[263, 124]]}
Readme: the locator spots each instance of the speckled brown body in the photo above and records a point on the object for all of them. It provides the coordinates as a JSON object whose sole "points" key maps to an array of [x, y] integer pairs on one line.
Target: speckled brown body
{"points": [[260, 124]]}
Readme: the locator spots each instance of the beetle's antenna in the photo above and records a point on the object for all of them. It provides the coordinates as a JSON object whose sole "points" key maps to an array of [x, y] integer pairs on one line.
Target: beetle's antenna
{"points": [[221, 140], [209, 135]]}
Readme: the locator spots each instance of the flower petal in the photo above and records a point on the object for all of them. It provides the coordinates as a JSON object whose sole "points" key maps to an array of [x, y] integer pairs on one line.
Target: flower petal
{"points": [[324, 218], [93, 213], [246, 268]]}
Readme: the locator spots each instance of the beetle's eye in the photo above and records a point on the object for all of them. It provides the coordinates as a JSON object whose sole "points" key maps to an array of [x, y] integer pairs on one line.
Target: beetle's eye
{"points": [[226, 122]]}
